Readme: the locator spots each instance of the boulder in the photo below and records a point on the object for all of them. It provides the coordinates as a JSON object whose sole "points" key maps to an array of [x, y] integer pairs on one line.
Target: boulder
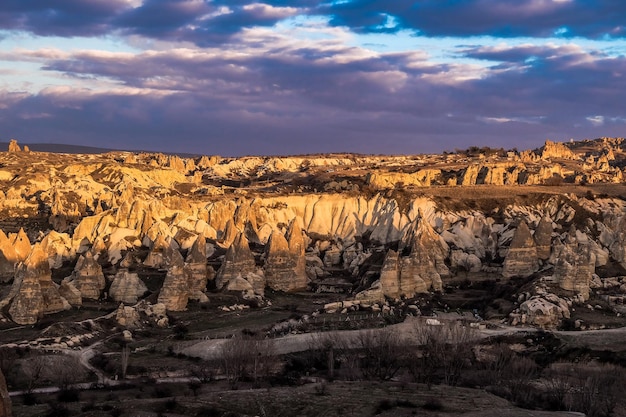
{"points": [[127, 287], [521, 259], [127, 317], [545, 311]]}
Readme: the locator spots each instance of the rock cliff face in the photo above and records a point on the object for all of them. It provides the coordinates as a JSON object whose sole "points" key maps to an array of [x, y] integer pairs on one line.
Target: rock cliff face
{"points": [[20, 244], [521, 259]]}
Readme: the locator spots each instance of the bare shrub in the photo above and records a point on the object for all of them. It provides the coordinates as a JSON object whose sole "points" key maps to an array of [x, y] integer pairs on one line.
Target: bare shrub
{"points": [[444, 349], [382, 353], [33, 370], [65, 371], [246, 358], [594, 389]]}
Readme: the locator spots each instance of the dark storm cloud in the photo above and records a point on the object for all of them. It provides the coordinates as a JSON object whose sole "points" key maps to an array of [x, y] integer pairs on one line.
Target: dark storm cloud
{"points": [[501, 18]]}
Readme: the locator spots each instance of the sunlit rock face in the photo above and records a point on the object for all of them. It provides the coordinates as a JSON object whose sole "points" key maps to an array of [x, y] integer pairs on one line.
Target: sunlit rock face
{"points": [[8, 258], [521, 259]]}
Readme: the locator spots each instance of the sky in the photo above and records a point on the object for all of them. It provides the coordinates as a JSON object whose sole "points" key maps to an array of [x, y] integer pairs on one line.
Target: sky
{"points": [[275, 77]]}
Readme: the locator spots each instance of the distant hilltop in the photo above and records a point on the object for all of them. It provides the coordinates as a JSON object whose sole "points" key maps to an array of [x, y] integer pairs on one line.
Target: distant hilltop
{"points": [[70, 149], [13, 146]]}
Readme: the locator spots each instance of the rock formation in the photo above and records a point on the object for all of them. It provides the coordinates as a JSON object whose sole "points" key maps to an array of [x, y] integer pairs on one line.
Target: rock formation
{"points": [[425, 263], [238, 262], [21, 244], [543, 238], [546, 311], [13, 146], [390, 277], [68, 291], [5, 400], [156, 256], [175, 291], [88, 277], [33, 293], [285, 263], [196, 270], [574, 264], [8, 258], [127, 287], [58, 247], [556, 150], [521, 259]]}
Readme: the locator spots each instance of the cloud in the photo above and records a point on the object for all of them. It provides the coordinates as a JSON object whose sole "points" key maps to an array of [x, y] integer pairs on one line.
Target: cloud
{"points": [[265, 92], [501, 18]]}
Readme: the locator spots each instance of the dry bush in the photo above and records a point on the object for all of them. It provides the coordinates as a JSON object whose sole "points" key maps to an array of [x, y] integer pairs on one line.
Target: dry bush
{"points": [[246, 358], [444, 349], [588, 387], [382, 352]]}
